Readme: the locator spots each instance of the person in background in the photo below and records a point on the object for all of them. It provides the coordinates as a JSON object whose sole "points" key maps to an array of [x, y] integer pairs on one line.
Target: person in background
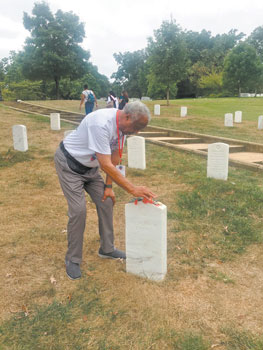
{"points": [[124, 98], [89, 98], [112, 101], [97, 143]]}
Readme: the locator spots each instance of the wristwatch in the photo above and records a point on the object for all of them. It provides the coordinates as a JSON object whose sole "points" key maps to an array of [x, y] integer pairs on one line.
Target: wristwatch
{"points": [[107, 186]]}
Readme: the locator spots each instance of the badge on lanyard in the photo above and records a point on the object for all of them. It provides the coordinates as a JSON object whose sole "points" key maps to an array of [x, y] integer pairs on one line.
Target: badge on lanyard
{"points": [[121, 168]]}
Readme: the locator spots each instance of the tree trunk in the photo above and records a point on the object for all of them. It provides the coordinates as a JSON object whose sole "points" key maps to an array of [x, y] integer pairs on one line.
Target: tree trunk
{"points": [[168, 95], [57, 88]]}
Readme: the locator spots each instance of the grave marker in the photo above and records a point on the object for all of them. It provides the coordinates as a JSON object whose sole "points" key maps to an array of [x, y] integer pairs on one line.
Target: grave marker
{"points": [[229, 119], [157, 109], [146, 240], [260, 122], [238, 117], [55, 121], [20, 138], [217, 161], [136, 152], [183, 111]]}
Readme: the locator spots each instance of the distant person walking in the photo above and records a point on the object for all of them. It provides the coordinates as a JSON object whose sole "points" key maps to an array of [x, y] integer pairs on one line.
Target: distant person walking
{"points": [[89, 98], [112, 101], [124, 98]]}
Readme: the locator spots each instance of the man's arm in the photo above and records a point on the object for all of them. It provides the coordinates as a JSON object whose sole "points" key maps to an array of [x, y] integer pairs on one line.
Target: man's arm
{"points": [[114, 174], [82, 101]]}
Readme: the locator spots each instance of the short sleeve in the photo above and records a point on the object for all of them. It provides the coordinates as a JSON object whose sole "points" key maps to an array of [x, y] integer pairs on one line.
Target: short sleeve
{"points": [[99, 139]]}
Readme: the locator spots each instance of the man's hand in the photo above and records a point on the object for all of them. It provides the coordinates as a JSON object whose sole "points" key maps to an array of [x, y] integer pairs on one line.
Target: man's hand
{"points": [[108, 192], [142, 191]]}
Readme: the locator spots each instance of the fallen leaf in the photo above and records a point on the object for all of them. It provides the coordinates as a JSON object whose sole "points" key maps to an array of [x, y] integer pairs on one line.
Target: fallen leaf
{"points": [[53, 280], [85, 318], [69, 297], [89, 273]]}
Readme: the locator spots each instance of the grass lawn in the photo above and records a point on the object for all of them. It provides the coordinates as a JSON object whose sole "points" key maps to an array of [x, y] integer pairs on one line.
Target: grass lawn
{"points": [[213, 294]]}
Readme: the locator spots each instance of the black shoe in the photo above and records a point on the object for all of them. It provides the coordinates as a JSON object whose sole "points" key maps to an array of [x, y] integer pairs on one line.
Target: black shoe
{"points": [[73, 270], [116, 254]]}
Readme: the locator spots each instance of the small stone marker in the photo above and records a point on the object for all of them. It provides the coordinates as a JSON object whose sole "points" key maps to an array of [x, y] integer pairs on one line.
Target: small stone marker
{"points": [[136, 152], [238, 117], [183, 111], [67, 132], [229, 119], [260, 122], [146, 240], [157, 109], [55, 121], [20, 138], [217, 161]]}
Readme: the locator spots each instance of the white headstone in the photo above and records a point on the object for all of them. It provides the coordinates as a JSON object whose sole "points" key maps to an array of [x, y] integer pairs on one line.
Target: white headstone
{"points": [[229, 119], [217, 162], [146, 240], [260, 122], [55, 121], [157, 109], [183, 111], [20, 138], [136, 152], [67, 132], [238, 116]]}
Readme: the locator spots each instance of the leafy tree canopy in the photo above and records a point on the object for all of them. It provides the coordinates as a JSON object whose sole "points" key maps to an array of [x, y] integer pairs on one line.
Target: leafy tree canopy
{"points": [[52, 51]]}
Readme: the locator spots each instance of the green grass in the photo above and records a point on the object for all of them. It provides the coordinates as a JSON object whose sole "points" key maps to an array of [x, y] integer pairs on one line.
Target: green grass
{"points": [[11, 157], [206, 116]]}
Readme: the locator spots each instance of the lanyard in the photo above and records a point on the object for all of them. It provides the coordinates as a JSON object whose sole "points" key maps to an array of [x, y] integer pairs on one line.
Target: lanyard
{"points": [[119, 143]]}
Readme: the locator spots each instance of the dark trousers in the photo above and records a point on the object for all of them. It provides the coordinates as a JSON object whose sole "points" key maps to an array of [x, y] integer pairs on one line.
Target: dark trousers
{"points": [[89, 107], [74, 186]]}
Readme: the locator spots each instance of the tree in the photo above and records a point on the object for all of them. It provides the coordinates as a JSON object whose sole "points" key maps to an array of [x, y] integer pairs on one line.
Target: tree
{"points": [[53, 52], [131, 73], [256, 40], [242, 69], [167, 56]]}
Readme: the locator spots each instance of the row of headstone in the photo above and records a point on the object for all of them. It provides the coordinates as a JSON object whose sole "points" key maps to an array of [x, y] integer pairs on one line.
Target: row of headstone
{"points": [[20, 133], [238, 119], [157, 111], [229, 118]]}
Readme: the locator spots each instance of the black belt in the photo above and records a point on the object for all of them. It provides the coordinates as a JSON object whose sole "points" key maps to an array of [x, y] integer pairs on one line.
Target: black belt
{"points": [[73, 163]]}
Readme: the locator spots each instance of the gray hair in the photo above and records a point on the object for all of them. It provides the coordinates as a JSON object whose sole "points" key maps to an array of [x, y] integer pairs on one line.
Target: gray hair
{"points": [[136, 110]]}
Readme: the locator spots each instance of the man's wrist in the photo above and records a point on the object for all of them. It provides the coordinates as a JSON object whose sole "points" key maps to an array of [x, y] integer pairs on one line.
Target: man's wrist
{"points": [[107, 186]]}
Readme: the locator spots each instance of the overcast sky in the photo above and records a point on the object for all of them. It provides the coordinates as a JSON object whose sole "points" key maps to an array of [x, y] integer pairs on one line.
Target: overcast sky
{"points": [[118, 26]]}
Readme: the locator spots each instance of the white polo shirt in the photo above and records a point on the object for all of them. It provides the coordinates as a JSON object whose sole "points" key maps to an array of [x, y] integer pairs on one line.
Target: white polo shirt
{"points": [[96, 133]]}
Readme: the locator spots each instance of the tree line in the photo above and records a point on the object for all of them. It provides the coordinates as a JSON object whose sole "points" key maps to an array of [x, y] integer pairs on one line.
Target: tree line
{"points": [[175, 64]]}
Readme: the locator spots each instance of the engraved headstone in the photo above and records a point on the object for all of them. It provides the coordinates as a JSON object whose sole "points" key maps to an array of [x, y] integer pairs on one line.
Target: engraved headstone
{"points": [[217, 161], [55, 121], [157, 109], [260, 122], [183, 111], [146, 240], [238, 117], [136, 152], [20, 138], [229, 119]]}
